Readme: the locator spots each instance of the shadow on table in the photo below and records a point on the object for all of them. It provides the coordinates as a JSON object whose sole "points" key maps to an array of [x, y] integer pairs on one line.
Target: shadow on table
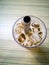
{"points": [[41, 55]]}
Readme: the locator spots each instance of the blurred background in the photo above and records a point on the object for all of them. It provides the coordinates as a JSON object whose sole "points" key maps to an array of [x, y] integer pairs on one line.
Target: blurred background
{"points": [[10, 52]]}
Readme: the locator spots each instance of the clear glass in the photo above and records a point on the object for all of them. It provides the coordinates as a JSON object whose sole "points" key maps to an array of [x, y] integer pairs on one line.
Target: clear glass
{"points": [[34, 20]]}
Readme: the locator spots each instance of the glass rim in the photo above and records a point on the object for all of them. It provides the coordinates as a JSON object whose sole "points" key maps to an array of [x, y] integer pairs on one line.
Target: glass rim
{"points": [[30, 46]]}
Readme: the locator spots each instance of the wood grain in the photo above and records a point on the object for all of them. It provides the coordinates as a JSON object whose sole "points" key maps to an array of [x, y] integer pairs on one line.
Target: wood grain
{"points": [[10, 52]]}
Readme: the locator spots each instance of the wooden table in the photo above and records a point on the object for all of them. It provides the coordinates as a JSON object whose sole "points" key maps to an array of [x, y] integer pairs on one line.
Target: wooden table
{"points": [[10, 52]]}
